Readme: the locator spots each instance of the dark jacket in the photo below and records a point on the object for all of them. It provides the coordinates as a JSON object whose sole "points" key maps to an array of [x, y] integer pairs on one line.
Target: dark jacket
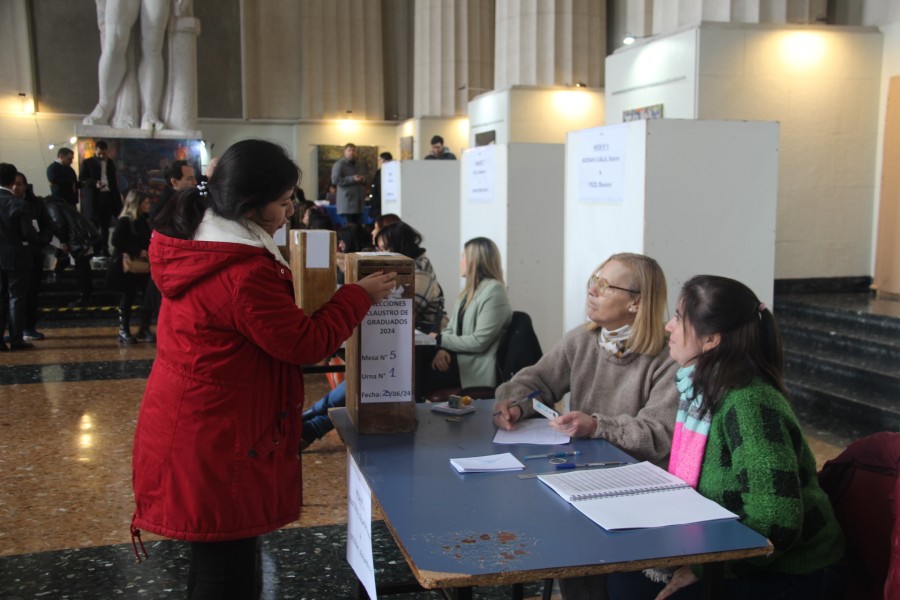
{"points": [[90, 174], [63, 182], [129, 237], [37, 213], [16, 233], [71, 227]]}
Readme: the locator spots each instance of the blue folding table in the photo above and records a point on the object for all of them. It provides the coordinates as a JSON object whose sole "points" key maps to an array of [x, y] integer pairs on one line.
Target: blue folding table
{"points": [[457, 530]]}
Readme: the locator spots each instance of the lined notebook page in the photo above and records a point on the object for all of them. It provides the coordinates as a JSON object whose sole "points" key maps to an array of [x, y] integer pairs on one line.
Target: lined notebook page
{"points": [[616, 481]]}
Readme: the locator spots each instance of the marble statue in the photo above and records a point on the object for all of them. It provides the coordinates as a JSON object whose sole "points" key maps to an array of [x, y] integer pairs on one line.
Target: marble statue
{"points": [[131, 91]]}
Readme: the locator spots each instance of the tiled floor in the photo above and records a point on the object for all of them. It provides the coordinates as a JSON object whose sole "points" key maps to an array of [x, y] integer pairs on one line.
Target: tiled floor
{"points": [[67, 416]]}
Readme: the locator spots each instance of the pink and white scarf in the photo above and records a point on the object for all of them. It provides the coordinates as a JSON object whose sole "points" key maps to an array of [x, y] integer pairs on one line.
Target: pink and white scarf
{"points": [[691, 431]]}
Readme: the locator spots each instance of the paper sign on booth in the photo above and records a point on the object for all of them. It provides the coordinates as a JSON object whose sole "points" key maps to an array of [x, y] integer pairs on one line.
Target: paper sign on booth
{"points": [[601, 165]]}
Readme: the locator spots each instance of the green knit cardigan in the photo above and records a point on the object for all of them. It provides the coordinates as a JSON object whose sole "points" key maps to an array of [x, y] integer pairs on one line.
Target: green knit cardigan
{"points": [[758, 465]]}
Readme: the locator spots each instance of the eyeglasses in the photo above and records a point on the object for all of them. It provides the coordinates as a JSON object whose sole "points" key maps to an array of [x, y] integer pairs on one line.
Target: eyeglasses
{"points": [[602, 285]]}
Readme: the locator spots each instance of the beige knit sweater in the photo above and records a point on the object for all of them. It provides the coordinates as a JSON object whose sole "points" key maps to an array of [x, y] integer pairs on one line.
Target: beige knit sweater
{"points": [[634, 398]]}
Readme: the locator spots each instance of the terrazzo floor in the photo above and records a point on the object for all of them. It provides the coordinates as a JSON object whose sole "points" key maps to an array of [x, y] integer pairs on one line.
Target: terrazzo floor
{"points": [[67, 414]]}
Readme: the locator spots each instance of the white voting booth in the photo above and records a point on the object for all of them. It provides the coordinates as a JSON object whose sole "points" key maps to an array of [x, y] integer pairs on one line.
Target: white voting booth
{"points": [[425, 194], [698, 196], [513, 194]]}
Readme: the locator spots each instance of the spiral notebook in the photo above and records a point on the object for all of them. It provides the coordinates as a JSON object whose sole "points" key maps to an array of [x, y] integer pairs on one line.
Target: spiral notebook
{"points": [[634, 496]]}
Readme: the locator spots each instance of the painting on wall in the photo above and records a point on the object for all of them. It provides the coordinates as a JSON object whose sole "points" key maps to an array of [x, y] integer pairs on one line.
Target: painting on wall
{"points": [[654, 111], [485, 138], [406, 148], [141, 163], [366, 157]]}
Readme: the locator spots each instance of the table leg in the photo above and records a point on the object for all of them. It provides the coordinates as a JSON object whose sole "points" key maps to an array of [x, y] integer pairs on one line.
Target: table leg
{"points": [[518, 591], [712, 580], [462, 593]]}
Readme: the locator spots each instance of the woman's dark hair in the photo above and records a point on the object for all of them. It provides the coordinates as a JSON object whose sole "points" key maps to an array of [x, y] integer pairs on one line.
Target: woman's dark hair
{"points": [[400, 237], [319, 221], [249, 175], [355, 237], [750, 343]]}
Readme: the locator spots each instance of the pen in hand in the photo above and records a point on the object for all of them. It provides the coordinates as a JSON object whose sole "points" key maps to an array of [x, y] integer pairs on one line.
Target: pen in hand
{"points": [[533, 394]]}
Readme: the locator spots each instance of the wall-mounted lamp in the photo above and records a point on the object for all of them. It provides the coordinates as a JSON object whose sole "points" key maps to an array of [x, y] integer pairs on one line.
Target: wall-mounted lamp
{"points": [[580, 84]]}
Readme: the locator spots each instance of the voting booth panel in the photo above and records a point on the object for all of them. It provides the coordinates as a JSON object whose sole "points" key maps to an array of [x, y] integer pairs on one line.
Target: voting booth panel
{"points": [[698, 196], [512, 194], [380, 353], [312, 260], [425, 194]]}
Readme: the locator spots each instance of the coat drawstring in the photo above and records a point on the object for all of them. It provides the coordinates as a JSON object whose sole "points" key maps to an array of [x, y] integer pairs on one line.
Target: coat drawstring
{"points": [[136, 533]]}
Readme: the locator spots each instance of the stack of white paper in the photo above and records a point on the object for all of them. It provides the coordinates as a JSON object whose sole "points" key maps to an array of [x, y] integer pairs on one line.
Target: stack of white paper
{"points": [[486, 464]]}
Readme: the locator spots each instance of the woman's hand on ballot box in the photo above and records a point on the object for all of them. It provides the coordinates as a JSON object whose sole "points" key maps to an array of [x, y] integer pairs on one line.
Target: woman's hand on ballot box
{"points": [[378, 285]]}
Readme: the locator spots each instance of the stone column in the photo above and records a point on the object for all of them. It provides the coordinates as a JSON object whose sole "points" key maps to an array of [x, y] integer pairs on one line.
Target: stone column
{"points": [[547, 43], [454, 55]]}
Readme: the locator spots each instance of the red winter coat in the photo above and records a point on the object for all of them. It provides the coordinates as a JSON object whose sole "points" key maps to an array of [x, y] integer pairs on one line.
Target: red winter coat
{"points": [[218, 434]]}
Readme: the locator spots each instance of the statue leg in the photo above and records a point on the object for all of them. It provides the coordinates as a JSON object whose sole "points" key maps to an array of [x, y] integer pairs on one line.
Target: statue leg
{"points": [[119, 18], [151, 73]]}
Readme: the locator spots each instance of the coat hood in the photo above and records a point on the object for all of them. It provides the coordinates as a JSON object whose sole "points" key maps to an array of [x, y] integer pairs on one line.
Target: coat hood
{"points": [[177, 264]]}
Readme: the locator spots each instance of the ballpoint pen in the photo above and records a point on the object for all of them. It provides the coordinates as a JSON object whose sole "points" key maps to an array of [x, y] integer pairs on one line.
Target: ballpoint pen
{"points": [[533, 394], [555, 455], [562, 466]]}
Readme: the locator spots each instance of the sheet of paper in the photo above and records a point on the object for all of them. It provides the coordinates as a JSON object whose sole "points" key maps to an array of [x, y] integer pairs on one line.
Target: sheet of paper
{"points": [[531, 431], [485, 464], [359, 527], [318, 249]]}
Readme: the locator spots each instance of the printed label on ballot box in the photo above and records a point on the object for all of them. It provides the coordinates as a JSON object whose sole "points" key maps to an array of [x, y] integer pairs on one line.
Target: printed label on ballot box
{"points": [[385, 367]]}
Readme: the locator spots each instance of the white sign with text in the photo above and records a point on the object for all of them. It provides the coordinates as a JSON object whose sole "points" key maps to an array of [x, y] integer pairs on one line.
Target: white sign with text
{"points": [[385, 358], [601, 165], [359, 527], [481, 174], [390, 182]]}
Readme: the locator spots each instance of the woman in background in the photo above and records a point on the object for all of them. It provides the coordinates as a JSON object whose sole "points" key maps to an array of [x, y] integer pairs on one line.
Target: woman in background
{"points": [[466, 354], [738, 443], [401, 238], [131, 236]]}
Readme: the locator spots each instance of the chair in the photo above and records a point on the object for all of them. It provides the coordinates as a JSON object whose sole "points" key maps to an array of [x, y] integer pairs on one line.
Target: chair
{"points": [[864, 488], [518, 349]]}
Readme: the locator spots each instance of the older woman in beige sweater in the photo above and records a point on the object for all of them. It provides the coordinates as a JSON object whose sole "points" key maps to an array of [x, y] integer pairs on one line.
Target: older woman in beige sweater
{"points": [[616, 369]]}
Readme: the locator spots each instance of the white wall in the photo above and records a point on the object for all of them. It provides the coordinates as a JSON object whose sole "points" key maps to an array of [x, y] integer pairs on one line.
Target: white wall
{"points": [[535, 115], [821, 84], [429, 202], [826, 104], [661, 71], [24, 141], [697, 196]]}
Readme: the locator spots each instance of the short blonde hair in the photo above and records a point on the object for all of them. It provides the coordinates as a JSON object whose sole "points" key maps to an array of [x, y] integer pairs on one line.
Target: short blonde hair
{"points": [[648, 335]]}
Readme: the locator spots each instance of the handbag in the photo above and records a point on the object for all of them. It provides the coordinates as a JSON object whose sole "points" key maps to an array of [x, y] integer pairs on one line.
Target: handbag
{"points": [[135, 265]]}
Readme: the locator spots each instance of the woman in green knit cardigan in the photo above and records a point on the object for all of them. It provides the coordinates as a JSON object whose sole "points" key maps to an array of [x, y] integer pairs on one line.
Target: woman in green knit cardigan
{"points": [[738, 442]]}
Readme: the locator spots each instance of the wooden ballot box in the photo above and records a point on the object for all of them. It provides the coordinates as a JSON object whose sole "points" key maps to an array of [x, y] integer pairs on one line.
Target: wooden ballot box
{"points": [[380, 354], [313, 267]]}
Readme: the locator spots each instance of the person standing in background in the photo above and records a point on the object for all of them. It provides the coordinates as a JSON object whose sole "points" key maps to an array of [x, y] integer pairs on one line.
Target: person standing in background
{"points": [[16, 233], [347, 175], [439, 151], [375, 197], [100, 193], [40, 220], [62, 177]]}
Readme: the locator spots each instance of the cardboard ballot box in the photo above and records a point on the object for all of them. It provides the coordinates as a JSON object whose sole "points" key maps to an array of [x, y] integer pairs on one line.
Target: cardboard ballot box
{"points": [[380, 354], [313, 267]]}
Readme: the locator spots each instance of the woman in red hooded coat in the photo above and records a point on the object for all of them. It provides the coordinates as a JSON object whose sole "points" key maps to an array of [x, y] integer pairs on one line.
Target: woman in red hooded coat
{"points": [[215, 458]]}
